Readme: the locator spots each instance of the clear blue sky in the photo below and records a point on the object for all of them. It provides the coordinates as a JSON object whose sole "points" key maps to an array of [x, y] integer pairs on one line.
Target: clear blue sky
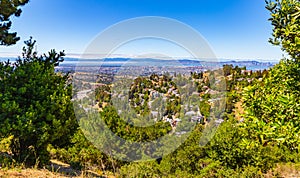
{"points": [[235, 29]]}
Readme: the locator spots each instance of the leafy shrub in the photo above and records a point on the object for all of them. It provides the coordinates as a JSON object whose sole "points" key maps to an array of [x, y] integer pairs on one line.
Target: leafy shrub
{"points": [[36, 106], [81, 154], [272, 107]]}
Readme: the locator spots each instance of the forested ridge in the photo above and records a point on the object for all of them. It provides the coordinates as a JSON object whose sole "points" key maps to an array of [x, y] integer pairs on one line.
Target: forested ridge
{"points": [[258, 123]]}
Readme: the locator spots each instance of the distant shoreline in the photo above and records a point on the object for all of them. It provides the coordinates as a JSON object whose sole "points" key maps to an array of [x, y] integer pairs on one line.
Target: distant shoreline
{"points": [[144, 62]]}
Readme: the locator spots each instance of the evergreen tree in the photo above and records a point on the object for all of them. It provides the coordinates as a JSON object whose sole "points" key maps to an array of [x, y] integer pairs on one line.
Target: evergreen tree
{"points": [[9, 8], [36, 106]]}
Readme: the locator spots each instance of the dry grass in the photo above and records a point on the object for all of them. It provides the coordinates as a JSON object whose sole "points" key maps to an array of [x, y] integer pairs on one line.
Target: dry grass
{"points": [[41, 173], [238, 110], [286, 170], [282, 170], [24, 173], [44, 173], [56, 169]]}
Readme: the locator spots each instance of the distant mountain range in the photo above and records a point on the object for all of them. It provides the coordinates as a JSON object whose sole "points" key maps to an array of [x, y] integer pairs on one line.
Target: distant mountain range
{"points": [[118, 62]]}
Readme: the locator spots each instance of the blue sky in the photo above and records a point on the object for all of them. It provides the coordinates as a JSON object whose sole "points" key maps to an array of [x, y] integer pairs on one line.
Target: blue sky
{"points": [[235, 29]]}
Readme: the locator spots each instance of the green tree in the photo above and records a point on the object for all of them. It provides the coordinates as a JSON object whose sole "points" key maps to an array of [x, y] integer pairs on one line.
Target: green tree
{"points": [[9, 8], [36, 106], [285, 18], [272, 105]]}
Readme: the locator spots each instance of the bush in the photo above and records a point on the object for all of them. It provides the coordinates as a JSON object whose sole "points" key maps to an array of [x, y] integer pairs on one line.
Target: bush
{"points": [[81, 154], [272, 107], [36, 106], [233, 148]]}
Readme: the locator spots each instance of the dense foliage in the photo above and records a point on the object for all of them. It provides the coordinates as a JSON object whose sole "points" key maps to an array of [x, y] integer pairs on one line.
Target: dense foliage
{"points": [[285, 18], [272, 105], [260, 126], [36, 106], [9, 8]]}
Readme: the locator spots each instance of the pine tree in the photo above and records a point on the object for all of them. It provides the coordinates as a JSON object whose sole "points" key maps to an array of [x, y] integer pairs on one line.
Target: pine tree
{"points": [[9, 8]]}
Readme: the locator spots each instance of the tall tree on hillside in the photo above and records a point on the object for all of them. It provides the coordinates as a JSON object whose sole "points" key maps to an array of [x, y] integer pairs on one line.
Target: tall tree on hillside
{"points": [[272, 105], [9, 8], [36, 107], [285, 18]]}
